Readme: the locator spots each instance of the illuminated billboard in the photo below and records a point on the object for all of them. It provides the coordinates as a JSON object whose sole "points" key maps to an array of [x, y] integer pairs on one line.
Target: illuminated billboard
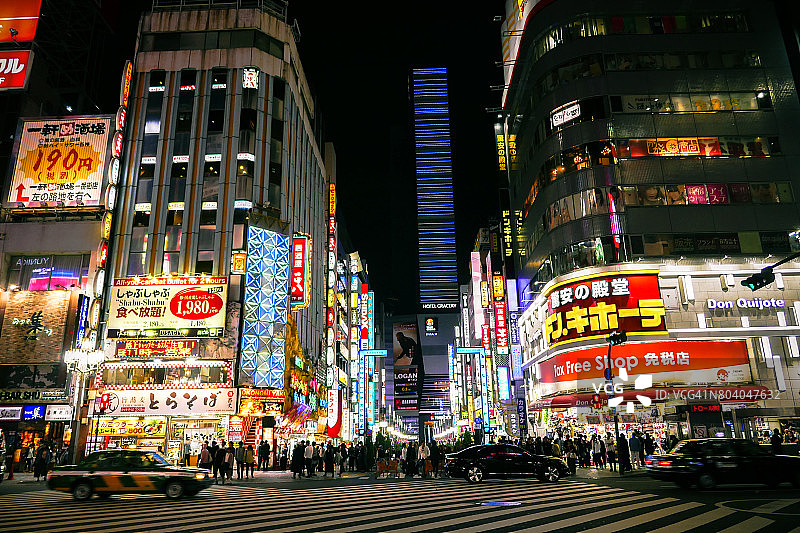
{"points": [[301, 272], [60, 162], [191, 306], [266, 309], [15, 66], [18, 20]]}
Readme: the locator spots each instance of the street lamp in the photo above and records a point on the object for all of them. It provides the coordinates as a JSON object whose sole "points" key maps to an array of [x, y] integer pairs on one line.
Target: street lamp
{"points": [[615, 339], [82, 363]]}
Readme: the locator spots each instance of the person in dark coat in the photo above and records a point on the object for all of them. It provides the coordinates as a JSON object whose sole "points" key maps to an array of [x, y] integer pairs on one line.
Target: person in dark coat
{"points": [[624, 454], [351, 455], [329, 460], [776, 442], [219, 459], [284, 458], [298, 461], [362, 457], [342, 457]]}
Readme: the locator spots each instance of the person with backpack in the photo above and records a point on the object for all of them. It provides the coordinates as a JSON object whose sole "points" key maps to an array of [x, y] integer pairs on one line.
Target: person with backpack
{"points": [[230, 456]]}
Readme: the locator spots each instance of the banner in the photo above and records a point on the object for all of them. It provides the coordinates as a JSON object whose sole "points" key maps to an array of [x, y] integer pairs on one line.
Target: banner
{"points": [[129, 427], [15, 66], [593, 306], [60, 162], [168, 307], [171, 402], [670, 362]]}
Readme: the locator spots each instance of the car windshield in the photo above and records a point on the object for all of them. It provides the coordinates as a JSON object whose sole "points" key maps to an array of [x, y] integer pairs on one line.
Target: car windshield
{"points": [[686, 447], [156, 459]]}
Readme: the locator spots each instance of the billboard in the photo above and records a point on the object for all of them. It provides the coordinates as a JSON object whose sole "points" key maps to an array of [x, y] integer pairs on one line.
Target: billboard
{"points": [[34, 326], [15, 66], [18, 20], [405, 344], [192, 306], [301, 272], [593, 306], [261, 402], [669, 363], [60, 162]]}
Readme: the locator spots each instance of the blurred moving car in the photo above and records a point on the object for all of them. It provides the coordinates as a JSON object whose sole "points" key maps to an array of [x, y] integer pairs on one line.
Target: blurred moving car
{"points": [[479, 462], [709, 462], [124, 471]]}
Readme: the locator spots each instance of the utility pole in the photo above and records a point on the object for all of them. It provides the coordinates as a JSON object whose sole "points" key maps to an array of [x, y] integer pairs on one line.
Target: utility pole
{"points": [[618, 337]]}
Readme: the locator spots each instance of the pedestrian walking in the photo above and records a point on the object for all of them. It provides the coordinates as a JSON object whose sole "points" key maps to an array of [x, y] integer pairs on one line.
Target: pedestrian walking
{"points": [[611, 451], [239, 456], [423, 453], [262, 454], [635, 446], [249, 461], [776, 442], [284, 457], [351, 457], [596, 451], [204, 458], [411, 461], [571, 452], [342, 457], [329, 460], [30, 455], [219, 459], [298, 459], [230, 456], [436, 455], [308, 455], [624, 454], [42, 461]]}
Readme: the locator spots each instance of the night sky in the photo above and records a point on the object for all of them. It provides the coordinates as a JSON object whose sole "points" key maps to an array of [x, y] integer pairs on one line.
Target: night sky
{"points": [[357, 56]]}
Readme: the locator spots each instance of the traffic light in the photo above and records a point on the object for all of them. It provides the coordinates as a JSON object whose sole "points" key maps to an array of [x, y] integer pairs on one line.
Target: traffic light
{"points": [[618, 337], [596, 401], [759, 279]]}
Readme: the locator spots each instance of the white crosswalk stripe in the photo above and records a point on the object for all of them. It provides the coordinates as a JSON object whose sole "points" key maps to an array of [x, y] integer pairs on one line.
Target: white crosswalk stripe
{"points": [[410, 506]]}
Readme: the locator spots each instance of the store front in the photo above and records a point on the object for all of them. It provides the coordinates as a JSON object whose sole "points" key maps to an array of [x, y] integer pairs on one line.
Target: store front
{"points": [[695, 342], [163, 420]]}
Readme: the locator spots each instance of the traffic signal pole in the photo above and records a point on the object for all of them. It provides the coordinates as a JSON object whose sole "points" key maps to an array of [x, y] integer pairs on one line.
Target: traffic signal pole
{"points": [[614, 338], [766, 276]]}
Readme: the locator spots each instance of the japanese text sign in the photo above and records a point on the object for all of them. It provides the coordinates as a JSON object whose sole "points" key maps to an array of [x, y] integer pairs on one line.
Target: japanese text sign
{"points": [[60, 161], [594, 306], [130, 427], [169, 306], [669, 362], [15, 65], [300, 272], [174, 402]]}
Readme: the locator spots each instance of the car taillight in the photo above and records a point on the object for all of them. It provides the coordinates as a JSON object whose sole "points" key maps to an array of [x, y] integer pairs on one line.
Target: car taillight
{"points": [[49, 475], [664, 463], [648, 461]]}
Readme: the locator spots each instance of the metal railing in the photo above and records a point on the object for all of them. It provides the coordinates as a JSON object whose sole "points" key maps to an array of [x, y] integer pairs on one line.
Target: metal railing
{"points": [[276, 8]]}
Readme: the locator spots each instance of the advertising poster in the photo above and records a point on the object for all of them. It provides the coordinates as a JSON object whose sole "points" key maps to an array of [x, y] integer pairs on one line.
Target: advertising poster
{"points": [[35, 326], [261, 402], [168, 306], [405, 345], [60, 162], [129, 427], [594, 306], [171, 402], [690, 362]]}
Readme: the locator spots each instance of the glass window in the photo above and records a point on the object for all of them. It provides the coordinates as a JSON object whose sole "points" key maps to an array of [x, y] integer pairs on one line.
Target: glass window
{"points": [[696, 194], [675, 194], [136, 264], [717, 193], [651, 194], [764, 193], [739, 193], [171, 260], [785, 192], [216, 119]]}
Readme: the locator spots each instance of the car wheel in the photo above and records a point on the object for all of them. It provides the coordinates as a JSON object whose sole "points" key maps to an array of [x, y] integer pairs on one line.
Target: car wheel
{"points": [[82, 491], [474, 474], [551, 473], [706, 481], [174, 490]]}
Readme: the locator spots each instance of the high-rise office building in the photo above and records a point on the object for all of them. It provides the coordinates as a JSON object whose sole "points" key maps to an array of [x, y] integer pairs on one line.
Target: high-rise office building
{"points": [[654, 167], [438, 276]]}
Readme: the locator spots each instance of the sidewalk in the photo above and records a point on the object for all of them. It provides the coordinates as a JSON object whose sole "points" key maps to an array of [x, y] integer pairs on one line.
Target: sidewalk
{"points": [[601, 473]]}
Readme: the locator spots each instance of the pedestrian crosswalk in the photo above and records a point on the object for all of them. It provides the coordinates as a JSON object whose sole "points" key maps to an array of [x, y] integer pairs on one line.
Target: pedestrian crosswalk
{"points": [[402, 506]]}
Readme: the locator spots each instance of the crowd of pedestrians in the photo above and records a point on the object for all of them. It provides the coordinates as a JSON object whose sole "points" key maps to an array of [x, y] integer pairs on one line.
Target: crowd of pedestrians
{"points": [[623, 454]]}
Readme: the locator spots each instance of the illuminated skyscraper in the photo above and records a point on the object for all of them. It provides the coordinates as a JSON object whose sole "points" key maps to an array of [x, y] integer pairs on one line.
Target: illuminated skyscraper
{"points": [[438, 283]]}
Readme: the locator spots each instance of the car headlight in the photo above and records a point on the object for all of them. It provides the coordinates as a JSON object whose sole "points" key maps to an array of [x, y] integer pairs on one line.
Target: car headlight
{"points": [[200, 476], [49, 475]]}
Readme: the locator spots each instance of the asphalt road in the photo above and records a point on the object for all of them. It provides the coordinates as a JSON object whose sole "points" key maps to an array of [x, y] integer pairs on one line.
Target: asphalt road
{"points": [[594, 502]]}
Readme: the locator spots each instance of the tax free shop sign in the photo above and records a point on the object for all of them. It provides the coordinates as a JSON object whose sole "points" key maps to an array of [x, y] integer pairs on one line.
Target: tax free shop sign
{"points": [[669, 363]]}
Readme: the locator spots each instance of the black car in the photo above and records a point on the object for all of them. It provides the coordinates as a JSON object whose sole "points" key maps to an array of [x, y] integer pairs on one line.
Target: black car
{"points": [[709, 462], [477, 463]]}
